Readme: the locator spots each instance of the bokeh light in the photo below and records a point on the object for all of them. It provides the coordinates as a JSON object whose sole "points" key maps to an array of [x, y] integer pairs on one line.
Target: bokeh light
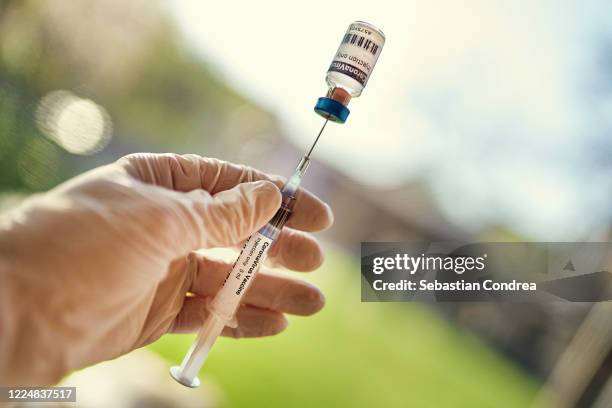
{"points": [[78, 125]]}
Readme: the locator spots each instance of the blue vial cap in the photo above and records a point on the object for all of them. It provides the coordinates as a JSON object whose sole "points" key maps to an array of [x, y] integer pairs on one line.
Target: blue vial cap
{"points": [[332, 110]]}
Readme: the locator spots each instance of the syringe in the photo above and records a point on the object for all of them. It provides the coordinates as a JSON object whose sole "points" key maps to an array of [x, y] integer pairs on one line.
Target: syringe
{"points": [[363, 43], [222, 308]]}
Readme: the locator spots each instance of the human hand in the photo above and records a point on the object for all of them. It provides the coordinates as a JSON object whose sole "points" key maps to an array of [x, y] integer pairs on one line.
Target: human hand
{"points": [[102, 264]]}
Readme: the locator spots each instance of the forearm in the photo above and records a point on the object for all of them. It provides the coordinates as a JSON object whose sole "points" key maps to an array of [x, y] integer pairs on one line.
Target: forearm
{"points": [[8, 326], [26, 357]]}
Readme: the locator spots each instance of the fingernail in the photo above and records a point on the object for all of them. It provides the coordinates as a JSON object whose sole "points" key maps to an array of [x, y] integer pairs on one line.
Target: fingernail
{"points": [[307, 301], [277, 325]]}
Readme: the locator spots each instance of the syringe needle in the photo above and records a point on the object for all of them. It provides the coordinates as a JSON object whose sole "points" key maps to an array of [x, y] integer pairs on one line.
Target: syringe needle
{"points": [[317, 139]]}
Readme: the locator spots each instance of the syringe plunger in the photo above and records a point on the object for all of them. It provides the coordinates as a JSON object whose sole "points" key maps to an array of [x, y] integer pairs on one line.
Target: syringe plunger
{"points": [[187, 372]]}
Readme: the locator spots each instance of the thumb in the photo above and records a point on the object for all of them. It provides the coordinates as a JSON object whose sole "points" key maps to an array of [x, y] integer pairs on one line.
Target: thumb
{"points": [[230, 216]]}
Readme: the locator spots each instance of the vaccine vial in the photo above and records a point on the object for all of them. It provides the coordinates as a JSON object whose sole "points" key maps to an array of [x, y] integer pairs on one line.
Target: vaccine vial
{"points": [[356, 57], [350, 69]]}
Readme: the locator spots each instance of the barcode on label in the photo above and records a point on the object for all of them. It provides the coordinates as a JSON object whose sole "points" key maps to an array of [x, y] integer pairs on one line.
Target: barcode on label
{"points": [[360, 41]]}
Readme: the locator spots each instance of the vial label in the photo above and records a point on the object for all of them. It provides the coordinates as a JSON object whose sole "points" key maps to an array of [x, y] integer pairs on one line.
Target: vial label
{"points": [[358, 52]]}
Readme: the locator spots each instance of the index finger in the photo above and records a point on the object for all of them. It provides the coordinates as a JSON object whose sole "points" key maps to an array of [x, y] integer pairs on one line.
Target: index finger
{"points": [[191, 172]]}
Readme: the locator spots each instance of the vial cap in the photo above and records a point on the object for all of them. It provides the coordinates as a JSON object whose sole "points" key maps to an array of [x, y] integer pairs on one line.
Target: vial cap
{"points": [[332, 110]]}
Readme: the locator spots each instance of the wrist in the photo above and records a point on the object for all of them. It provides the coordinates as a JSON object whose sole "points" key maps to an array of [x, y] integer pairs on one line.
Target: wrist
{"points": [[23, 338]]}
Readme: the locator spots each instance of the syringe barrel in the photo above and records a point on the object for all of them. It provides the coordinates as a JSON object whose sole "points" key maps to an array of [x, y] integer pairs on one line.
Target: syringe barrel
{"points": [[223, 307], [253, 254], [225, 303], [239, 279]]}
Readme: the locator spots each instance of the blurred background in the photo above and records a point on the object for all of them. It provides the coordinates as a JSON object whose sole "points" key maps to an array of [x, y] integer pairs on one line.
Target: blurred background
{"points": [[485, 121]]}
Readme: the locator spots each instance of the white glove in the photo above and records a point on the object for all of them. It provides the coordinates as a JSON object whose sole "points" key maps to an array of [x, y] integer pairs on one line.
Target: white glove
{"points": [[102, 264]]}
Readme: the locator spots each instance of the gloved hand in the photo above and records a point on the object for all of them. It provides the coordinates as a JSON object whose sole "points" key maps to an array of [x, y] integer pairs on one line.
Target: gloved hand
{"points": [[102, 264]]}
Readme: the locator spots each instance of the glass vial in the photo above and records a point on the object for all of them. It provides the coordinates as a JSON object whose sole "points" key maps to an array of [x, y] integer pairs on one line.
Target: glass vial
{"points": [[355, 59]]}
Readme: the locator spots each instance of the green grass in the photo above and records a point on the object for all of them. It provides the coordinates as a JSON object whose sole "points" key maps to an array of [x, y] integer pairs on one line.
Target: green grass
{"points": [[355, 354]]}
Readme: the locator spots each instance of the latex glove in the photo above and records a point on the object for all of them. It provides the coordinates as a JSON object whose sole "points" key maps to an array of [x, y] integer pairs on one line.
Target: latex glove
{"points": [[102, 264]]}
